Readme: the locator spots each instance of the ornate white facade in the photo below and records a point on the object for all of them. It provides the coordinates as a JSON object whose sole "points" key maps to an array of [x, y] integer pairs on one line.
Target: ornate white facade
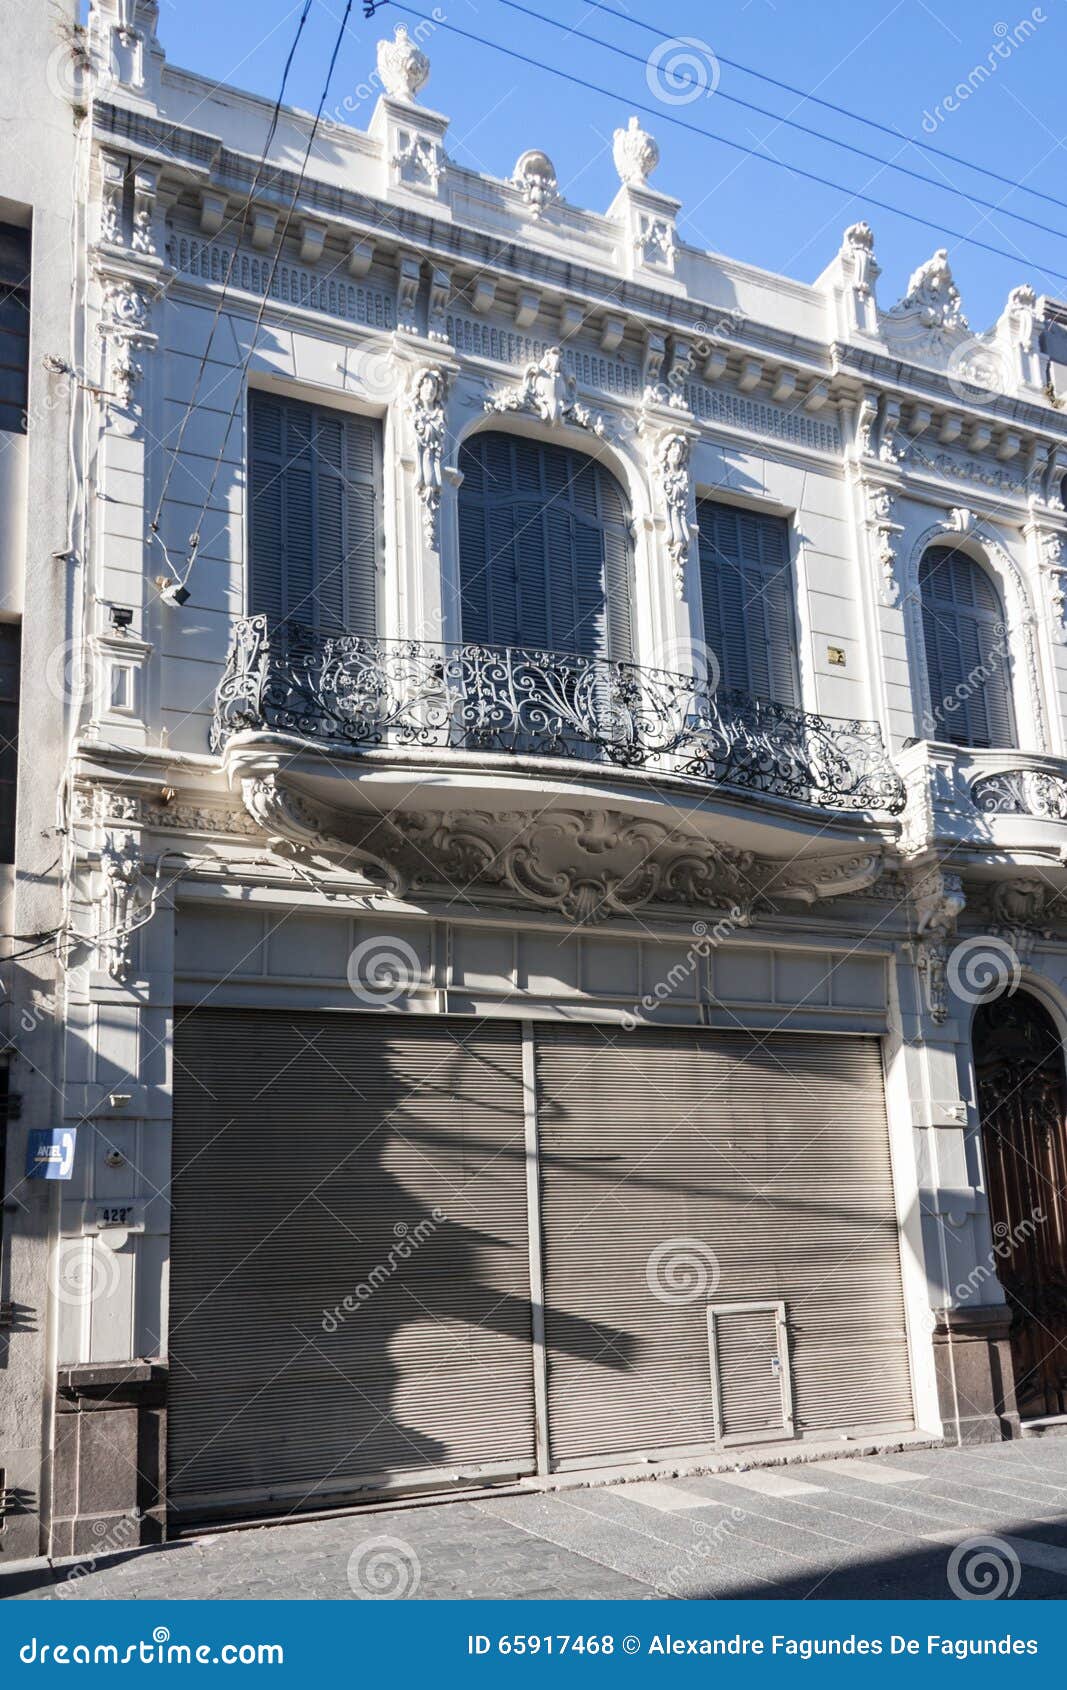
{"points": [[233, 833]]}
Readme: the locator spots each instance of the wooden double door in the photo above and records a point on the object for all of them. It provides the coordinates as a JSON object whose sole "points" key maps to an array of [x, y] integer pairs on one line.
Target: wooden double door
{"points": [[1022, 1098]]}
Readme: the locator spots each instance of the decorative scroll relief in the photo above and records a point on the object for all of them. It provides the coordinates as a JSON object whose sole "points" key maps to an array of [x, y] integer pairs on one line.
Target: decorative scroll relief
{"points": [[654, 240], [669, 466], [549, 392], [757, 416], [125, 326], [588, 868], [475, 338], [419, 160], [1016, 910], [120, 906], [963, 469], [884, 531], [930, 316], [292, 284], [535, 177], [426, 413], [1052, 550], [939, 901]]}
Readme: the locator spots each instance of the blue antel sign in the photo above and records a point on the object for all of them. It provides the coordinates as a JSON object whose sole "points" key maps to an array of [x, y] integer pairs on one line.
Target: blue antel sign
{"points": [[50, 1153]]}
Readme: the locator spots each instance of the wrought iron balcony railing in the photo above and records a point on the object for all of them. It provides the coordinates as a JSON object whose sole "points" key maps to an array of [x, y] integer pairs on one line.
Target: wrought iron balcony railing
{"points": [[361, 692]]}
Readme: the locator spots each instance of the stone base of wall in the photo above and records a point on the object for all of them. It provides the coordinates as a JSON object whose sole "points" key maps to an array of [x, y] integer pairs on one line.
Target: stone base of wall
{"points": [[110, 1460], [975, 1377]]}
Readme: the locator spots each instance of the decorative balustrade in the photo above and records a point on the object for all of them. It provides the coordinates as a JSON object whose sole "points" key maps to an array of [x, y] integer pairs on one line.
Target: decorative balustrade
{"points": [[1021, 792], [362, 692]]}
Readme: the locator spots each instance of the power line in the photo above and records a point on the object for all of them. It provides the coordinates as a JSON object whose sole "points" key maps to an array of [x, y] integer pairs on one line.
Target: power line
{"points": [[842, 111], [723, 140], [789, 122], [238, 217], [194, 538]]}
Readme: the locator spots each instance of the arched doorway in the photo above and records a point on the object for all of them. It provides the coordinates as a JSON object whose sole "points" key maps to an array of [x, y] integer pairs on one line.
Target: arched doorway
{"points": [[1022, 1100]]}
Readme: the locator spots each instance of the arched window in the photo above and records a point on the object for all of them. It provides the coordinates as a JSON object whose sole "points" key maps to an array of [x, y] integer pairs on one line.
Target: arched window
{"points": [[544, 548], [966, 651], [746, 587]]}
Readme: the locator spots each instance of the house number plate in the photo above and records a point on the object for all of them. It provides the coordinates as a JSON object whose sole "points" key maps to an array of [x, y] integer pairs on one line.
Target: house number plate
{"points": [[125, 1214]]}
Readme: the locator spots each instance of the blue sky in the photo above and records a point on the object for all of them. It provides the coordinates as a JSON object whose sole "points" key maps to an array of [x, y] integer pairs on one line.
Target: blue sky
{"points": [[894, 62]]}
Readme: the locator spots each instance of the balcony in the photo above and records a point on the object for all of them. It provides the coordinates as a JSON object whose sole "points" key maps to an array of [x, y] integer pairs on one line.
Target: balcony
{"points": [[362, 694], [994, 809]]}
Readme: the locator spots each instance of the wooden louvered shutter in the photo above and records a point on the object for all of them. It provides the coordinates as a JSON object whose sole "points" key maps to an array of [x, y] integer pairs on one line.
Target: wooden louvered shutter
{"points": [[266, 421], [314, 525], [966, 651], [545, 557], [747, 596], [363, 479]]}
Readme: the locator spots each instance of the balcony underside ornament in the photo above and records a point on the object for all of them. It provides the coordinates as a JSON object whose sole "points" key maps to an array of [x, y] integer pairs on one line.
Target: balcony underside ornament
{"points": [[588, 867]]}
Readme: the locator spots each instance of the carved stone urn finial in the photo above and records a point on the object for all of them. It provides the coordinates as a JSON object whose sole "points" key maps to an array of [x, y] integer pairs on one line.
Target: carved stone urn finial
{"points": [[635, 153], [402, 66]]}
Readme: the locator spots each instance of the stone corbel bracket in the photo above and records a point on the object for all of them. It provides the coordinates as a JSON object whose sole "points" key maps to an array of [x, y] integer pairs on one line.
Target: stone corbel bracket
{"points": [[317, 840], [938, 901], [808, 881]]}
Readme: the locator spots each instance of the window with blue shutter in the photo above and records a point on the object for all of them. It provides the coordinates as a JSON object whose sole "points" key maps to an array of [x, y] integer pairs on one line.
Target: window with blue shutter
{"points": [[545, 552], [746, 587], [966, 652], [314, 479]]}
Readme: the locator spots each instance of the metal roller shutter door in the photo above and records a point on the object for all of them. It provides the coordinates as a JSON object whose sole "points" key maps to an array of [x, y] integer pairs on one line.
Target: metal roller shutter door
{"points": [[307, 1149], [770, 1155]]}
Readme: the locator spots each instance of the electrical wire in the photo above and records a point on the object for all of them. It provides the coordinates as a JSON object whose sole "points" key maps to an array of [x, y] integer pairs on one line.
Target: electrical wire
{"points": [[723, 140], [237, 218], [842, 111], [194, 538], [791, 123]]}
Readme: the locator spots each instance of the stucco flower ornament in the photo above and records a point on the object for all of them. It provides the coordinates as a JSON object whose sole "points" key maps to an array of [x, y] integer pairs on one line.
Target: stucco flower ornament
{"points": [[635, 153], [402, 66]]}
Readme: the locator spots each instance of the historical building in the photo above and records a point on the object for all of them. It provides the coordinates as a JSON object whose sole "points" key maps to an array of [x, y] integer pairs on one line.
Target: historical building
{"points": [[560, 950]]}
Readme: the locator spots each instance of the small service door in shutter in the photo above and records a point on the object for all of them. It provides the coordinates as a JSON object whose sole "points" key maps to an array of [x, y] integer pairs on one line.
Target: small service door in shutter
{"points": [[350, 1295], [683, 1170]]}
